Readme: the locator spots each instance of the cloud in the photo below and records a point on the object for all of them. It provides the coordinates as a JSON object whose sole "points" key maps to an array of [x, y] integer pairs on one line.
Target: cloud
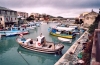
{"points": [[61, 4], [55, 12], [66, 8]]}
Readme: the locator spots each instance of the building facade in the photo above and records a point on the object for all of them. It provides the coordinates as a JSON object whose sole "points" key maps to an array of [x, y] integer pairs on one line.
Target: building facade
{"points": [[95, 58], [22, 14], [7, 16], [37, 16], [88, 17]]}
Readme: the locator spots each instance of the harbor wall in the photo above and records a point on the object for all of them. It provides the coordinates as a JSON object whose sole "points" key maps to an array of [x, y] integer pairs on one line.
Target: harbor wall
{"points": [[72, 49]]}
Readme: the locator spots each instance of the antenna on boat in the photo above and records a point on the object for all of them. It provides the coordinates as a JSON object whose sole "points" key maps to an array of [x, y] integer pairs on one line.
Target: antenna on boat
{"points": [[23, 58]]}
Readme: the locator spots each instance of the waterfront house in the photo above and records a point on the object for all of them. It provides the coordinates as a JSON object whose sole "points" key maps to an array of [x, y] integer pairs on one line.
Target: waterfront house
{"points": [[88, 17], [36, 16], [7, 16], [22, 14]]}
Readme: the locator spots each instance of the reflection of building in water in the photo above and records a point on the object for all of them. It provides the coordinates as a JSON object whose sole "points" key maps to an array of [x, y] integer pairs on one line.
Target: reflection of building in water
{"points": [[88, 17]]}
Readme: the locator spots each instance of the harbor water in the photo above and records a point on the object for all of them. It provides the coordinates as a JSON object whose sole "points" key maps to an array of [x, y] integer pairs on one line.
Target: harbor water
{"points": [[13, 54]]}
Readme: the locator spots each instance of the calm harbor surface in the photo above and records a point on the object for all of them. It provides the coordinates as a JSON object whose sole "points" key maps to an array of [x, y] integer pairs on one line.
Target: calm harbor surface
{"points": [[13, 54]]}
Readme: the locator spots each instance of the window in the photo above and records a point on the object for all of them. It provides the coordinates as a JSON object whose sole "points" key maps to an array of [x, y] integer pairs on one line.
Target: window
{"points": [[3, 12], [11, 20], [10, 13], [0, 11], [14, 13], [0, 19], [6, 12], [87, 18], [18, 28]]}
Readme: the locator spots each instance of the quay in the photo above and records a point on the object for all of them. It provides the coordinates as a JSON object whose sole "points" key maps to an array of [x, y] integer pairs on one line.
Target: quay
{"points": [[68, 58]]}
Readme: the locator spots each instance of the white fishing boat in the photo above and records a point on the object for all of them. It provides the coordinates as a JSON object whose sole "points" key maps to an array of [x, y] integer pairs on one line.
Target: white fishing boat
{"points": [[64, 28], [71, 26], [37, 24], [34, 45], [43, 23], [65, 40], [76, 29], [31, 26]]}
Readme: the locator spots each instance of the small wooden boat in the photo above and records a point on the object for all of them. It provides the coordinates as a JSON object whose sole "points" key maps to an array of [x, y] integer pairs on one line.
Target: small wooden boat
{"points": [[45, 49], [31, 26], [65, 40]]}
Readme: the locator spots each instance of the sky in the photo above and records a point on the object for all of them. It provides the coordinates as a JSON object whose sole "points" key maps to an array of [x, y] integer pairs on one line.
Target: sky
{"points": [[64, 8]]}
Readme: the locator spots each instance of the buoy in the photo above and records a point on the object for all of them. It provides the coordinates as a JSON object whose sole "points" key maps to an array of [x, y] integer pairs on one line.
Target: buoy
{"points": [[39, 44]]}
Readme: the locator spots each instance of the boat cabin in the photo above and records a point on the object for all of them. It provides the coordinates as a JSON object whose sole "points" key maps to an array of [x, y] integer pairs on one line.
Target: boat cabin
{"points": [[30, 25], [62, 30], [17, 29]]}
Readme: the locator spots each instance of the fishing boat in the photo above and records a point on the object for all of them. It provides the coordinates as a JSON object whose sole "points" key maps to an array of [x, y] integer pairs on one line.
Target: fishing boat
{"points": [[45, 49], [41, 56], [10, 34], [37, 24], [61, 25], [62, 32], [31, 26], [64, 40], [14, 31], [73, 26], [43, 23]]}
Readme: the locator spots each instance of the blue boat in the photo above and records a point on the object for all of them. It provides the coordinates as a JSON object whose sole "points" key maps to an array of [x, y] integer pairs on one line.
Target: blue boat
{"points": [[62, 32], [14, 31], [37, 24]]}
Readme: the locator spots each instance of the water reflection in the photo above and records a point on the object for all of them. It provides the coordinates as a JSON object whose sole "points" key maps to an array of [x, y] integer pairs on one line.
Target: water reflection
{"points": [[40, 57], [9, 49], [6, 44]]}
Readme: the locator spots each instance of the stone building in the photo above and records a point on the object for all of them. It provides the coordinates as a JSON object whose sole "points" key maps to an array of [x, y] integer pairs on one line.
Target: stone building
{"points": [[7, 16], [22, 14], [88, 17], [36, 16]]}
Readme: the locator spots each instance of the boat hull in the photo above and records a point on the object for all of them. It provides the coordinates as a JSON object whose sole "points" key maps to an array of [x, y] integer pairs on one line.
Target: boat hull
{"points": [[24, 33], [10, 34], [63, 36], [64, 40], [42, 49]]}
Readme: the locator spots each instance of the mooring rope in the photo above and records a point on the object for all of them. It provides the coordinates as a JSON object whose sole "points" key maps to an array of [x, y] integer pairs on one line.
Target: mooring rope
{"points": [[24, 58]]}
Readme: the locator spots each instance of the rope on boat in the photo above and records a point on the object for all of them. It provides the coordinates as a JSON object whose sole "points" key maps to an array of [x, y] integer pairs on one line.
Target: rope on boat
{"points": [[24, 58]]}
